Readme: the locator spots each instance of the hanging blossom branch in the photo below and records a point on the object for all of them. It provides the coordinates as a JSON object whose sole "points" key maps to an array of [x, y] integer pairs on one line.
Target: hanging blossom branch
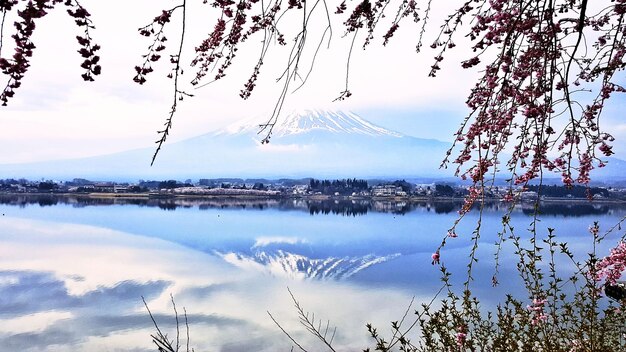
{"points": [[239, 20], [178, 94], [540, 78], [219, 49], [155, 30], [88, 49], [537, 77], [367, 15], [293, 66], [16, 66]]}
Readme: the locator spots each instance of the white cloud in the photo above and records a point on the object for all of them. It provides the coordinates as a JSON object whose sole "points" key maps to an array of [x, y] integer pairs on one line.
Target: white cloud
{"points": [[32, 322], [281, 148], [265, 241]]}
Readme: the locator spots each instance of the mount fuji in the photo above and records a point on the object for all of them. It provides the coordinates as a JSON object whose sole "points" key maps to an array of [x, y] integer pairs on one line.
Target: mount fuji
{"points": [[305, 143], [308, 122]]}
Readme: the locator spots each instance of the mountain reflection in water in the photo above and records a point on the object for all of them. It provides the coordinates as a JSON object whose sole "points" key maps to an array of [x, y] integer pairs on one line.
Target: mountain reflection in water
{"points": [[344, 207], [298, 266]]}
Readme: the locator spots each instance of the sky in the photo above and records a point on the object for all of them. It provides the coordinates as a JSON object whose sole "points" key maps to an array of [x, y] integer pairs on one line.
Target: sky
{"points": [[55, 115]]}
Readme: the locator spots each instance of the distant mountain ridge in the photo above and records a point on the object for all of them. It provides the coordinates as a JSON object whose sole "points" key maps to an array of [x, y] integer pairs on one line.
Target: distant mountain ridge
{"points": [[308, 143]]}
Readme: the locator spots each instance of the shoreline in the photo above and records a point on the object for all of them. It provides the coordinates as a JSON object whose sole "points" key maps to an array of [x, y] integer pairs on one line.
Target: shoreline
{"points": [[316, 197]]}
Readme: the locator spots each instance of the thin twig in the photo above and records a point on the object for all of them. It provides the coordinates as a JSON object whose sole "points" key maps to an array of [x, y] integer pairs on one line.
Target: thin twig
{"points": [[177, 323], [177, 93], [286, 333], [4, 14]]}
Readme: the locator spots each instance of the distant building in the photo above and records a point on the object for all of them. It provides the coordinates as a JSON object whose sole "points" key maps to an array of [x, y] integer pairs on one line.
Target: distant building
{"points": [[106, 187], [120, 189], [529, 195], [300, 189], [388, 191]]}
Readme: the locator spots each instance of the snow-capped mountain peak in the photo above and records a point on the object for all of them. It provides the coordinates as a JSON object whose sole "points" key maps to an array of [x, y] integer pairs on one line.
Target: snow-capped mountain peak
{"points": [[297, 122], [310, 143]]}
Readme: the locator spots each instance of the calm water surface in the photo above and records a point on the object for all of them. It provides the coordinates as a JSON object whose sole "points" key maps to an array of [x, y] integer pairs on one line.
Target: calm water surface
{"points": [[73, 271]]}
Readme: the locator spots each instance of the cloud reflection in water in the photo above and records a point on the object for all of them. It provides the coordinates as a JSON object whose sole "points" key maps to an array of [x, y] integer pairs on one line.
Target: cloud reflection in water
{"points": [[86, 283]]}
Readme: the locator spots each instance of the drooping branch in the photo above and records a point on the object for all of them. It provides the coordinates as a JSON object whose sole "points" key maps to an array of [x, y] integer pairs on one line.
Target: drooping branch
{"points": [[16, 66], [178, 95], [88, 49], [156, 30], [528, 85]]}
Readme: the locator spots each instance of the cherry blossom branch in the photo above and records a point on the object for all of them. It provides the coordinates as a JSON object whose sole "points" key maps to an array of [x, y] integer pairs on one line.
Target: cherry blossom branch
{"points": [[16, 66], [291, 72], [88, 49], [178, 95]]}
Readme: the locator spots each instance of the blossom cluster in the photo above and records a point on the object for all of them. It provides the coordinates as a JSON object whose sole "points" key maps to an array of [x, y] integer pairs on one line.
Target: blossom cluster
{"points": [[461, 336], [88, 50], [537, 310], [474, 194], [222, 42], [154, 30], [611, 267], [436, 258]]}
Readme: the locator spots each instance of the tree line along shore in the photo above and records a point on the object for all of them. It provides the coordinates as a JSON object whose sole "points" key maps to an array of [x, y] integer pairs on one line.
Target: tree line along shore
{"points": [[305, 188]]}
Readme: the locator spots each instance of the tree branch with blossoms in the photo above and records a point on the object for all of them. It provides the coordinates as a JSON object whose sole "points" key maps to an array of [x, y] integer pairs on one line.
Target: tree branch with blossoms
{"points": [[16, 66]]}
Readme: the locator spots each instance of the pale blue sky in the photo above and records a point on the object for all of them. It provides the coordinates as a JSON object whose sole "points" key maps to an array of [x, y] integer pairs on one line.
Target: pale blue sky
{"points": [[56, 115]]}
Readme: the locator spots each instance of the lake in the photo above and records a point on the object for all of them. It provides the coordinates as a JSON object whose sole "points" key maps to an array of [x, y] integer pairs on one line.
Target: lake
{"points": [[73, 270]]}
